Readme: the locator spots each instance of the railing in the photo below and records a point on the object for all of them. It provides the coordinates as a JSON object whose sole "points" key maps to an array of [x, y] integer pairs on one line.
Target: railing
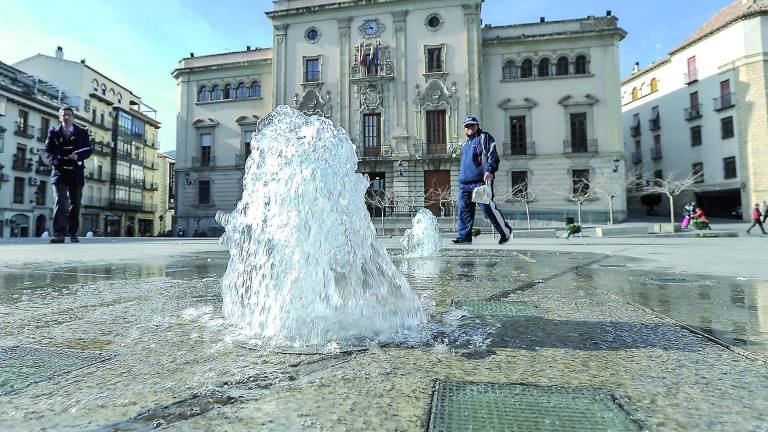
{"points": [[199, 162], [151, 186], [101, 148], [22, 164], [580, 146], [124, 204], [131, 157], [43, 169], [691, 76], [693, 112], [654, 124], [385, 68], [656, 153], [133, 137], [635, 130], [372, 151], [525, 148], [637, 157], [24, 130], [42, 135], [436, 149], [89, 201], [724, 101], [90, 175]]}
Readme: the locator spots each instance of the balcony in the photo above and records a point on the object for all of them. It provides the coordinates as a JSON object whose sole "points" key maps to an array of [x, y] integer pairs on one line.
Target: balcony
{"points": [[101, 148], [637, 157], [374, 151], [124, 204], [134, 158], [90, 175], [525, 148], [150, 186], [150, 164], [656, 153], [580, 146], [149, 207], [435, 149], [654, 124], [22, 164], [691, 76], [123, 180], [384, 69], [724, 101], [200, 162], [24, 130], [139, 138], [635, 131], [90, 201], [42, 169], [693, 113]]}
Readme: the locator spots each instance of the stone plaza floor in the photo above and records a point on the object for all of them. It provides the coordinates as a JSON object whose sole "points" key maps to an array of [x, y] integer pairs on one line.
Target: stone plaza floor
{"points": [[641, 333]]}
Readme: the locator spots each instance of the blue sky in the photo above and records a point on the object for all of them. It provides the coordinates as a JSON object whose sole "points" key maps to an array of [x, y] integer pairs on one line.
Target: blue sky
{"points": [[138, 43]]}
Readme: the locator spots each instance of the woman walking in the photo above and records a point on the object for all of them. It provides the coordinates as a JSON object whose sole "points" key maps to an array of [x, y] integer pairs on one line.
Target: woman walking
{"points": [[756, 219]]}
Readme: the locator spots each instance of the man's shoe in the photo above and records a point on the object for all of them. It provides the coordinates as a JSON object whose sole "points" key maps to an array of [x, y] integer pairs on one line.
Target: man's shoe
{"points": [[503, 240], [461, 240], [57, 240], [72, 239]]}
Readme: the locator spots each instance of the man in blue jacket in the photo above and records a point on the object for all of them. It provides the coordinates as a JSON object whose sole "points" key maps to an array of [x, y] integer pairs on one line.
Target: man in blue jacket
{"points": [[479, 163], [66, 146]]}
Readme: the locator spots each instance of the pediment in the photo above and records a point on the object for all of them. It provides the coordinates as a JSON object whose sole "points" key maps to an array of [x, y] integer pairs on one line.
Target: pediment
{"points": [[204, 123], [587, 99], [526, 103]]}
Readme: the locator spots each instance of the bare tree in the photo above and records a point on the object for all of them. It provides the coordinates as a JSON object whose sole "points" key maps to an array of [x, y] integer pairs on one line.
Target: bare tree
{"points": [[671, 188], [581, 192], [380, 199], [606, 186], [412, 202], [521, 193]]}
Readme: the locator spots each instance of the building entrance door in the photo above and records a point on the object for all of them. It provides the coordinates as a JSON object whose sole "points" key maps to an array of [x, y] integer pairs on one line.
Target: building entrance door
{"points": [[437, 186], [375, 196]]}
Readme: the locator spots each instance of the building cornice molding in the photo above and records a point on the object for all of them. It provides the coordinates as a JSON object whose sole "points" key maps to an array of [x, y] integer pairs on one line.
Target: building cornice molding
{"points": [[218, 66], [339, 5], [614, 32]]}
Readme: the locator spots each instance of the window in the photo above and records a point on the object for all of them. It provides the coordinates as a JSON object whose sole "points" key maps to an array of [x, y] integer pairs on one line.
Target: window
{"points": [[692, 74], [101, 118], [694, 100], [726, 127], [312, 70], [544, 67], [22, 121], [635, 94], [372, 134], [228, 92], [580, 65], [435, 59], [695, 136], [18, 190], [206, 140], [242, 91], [509, 71], [42, 188], [697, 170], [635, 129], [725, 100], [93, 116], [520, 179], [312, 35], [255, 90], [526, 70], [579, 133], [45, 124], [215, 93], [562, 66], [204, 192], [203, 95], [655, 122], [95, 86], [580, 179], [103, 90], [434, 22], [654, 85], [729, 167], [518, 137], [436, 142]]}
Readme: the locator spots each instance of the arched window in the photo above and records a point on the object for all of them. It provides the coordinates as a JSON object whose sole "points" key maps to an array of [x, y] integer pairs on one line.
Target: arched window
{"points": [[215, 93], [228, 92], [562, 66], [119, 97], [634, 94], [544, 67], [112, 92], [255, 89], [654, 85], [203, 95], [580, 65], [643, 89], [103, 90], [242, 91], [526, 71], [509, 71], [95, 86]]}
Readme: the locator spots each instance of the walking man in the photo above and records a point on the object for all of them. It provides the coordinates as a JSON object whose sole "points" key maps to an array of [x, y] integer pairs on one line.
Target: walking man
{"points": [[756, 219], [66, 146], [479, 163]]}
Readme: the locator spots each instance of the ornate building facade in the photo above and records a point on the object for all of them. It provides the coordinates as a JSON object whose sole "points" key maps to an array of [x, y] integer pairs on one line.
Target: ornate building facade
{"points": [[399, 76]]}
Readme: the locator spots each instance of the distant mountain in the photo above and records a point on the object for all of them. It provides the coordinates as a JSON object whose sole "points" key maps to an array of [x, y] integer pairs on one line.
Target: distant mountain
{"points": [[171, 153]]}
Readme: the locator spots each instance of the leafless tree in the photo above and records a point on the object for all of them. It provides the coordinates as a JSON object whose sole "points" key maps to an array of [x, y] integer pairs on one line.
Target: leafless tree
{"points": [[581, 192], [671, 188], [606, 186], [521, 193], [412, 201], [380, 199]]}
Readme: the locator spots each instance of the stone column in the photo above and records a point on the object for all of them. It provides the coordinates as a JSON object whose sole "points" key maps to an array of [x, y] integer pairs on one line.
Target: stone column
{"points": [[344, 63], [473, 83], [400, 134], [750, 125], [278, 65]]}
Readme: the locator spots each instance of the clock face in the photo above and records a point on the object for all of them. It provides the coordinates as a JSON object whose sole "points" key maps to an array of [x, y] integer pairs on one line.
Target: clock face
{"points": [[371, 27]]}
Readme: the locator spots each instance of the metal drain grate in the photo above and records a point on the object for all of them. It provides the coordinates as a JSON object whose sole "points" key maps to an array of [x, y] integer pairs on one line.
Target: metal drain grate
{"points": [[495, 307], [21, 366], [517, 407]]}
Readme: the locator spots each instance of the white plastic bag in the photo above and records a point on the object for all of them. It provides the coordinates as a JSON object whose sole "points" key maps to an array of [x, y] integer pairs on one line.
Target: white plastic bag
{"points": [[482, 194]]}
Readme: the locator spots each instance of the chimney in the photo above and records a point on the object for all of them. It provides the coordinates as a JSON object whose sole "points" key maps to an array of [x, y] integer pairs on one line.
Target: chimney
{"points": [[636, 68], [82, 61], [247, 47], [542, 19], [60, 53], [191, 54], [608, 13]]}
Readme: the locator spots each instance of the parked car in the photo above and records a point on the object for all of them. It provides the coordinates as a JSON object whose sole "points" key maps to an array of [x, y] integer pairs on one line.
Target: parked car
{"points": [[737, 212]]}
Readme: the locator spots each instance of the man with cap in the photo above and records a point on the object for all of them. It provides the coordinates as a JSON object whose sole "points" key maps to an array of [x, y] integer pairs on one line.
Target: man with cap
{"points": [[479, 163], [66, 146]]}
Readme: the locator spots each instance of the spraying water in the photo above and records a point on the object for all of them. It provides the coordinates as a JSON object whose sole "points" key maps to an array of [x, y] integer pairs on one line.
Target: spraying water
{"points": [[423, 239], [305, 267]]}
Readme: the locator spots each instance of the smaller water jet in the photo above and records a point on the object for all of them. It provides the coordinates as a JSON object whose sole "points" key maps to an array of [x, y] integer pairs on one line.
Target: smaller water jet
{"points": [[423, 240]]}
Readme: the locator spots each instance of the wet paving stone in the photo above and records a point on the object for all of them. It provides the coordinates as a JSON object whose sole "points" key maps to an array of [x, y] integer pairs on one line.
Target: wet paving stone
{"points": [[495, 307]]}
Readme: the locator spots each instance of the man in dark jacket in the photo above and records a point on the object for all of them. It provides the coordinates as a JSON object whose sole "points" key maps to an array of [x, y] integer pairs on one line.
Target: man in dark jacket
{"points": [[66, 146], [479, 163]]}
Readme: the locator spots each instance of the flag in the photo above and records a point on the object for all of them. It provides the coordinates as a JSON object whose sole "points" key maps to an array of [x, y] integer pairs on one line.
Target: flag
{"points": [[360, 54], [376, 55]]}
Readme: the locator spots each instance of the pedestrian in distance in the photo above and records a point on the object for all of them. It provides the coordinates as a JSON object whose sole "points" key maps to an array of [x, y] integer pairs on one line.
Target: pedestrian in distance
{"points": [[701, 217], [478, 166], [756, 218], [66, 147], [765, 210]]}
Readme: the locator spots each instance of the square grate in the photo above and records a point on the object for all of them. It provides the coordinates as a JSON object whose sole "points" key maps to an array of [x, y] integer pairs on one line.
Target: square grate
{"points": [[21, 366], [495, 307], [524, 408]]}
